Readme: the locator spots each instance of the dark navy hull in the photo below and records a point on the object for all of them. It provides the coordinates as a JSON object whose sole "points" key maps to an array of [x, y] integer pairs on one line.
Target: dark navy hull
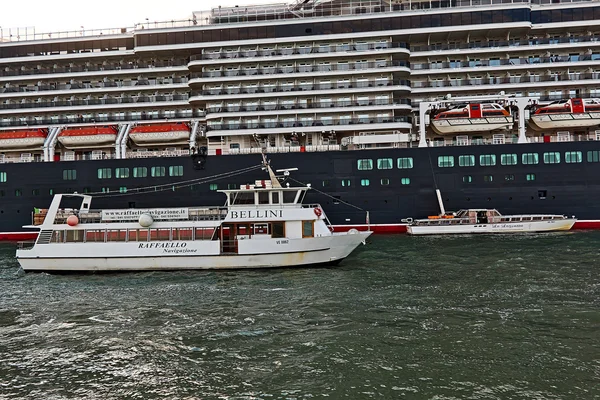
{"points": [[562, 188]]}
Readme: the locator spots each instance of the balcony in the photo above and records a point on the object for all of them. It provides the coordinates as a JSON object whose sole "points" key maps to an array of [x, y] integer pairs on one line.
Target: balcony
{"points": [[328, 122], [306, 106]]}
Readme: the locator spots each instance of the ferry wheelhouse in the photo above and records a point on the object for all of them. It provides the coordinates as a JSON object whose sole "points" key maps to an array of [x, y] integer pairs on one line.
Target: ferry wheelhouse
{"points": [[261, 226]]}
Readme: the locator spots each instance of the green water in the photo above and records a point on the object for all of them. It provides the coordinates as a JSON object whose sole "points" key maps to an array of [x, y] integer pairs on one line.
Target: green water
{"points": [[496, 317]]}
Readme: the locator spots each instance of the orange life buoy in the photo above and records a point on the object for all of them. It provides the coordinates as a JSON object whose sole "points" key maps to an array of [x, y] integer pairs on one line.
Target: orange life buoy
{"points": [[318, 212]]}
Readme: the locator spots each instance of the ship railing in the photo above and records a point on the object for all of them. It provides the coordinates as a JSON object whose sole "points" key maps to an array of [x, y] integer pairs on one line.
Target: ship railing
{"points": [[499, 63], [26, 245], [158, 153], [279, 149], [532, 78]]}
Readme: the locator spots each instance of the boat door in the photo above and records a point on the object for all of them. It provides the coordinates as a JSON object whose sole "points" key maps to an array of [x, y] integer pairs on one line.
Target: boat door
{"points": [[474, 110], [577, 106], [229, 243]]}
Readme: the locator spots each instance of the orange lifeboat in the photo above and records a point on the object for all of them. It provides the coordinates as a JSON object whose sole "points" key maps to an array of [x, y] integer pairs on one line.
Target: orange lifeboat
{"points": [[572, 113], [468, 118], [169, 133], [88, 137], [22, 139]]}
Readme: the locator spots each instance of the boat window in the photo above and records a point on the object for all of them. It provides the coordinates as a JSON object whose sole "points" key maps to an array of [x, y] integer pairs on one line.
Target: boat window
{"points": [[508, 159], [69, 174], [160, 234], [278, 229], [593, 156], [204, 233], [104, 173], [572, 157], [530, 177], [345, 182], [182, 234], [365, 164], [157, 172], [140, 172], [384, 163], [530, 158], [405, 163], [176, 170], [121, 172], [57, 236], [486, 160], [123, 189], [213, 186], [94, 236], [509, 177], [552, 157], [75, 235], [116, 235], [405, 181], [19, 192], [445, 161], [364, 182], [261, 229], [488, 178], [289, 196], [139, 235], [246, 197], [2, 176], [308, 229], [385, 181], [467, 179], [274, 197], [466, 161], [263, 197]]}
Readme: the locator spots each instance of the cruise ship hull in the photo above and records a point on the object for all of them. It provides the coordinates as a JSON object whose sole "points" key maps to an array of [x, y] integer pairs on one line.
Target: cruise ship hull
{"points": [[354, 198]]}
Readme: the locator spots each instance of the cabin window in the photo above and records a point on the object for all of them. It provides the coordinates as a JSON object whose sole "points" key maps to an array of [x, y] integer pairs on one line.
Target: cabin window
{"points": [[405, 163], [231, 186], [530, 177], [122, 189], [261, 229], [466, 161], [385, 181], [278, 229], [263, 197], [325, 183], [488, 178], [308, 229], [75, 236], [509, 177], [35, 192], [140, 172], [364, 182], [572, 157], [183, 234], [104, 173], [116, 235], [94, 236], [160, 234], [384, 163], [105, 190], [139, 235], [121, 173], [274, 197], [530, 158], [213, 186], [157, 172], [204, 233], [176, 170], [345, 182], [241, 197], [445, 161], [18, 192], [289, 196], [2, 194], [365, 164], [57, 236], [405, 181], [2, 177], [467, 179], [508, 159], [69, 175], [552, 157], [593, 156], [487, 160]]}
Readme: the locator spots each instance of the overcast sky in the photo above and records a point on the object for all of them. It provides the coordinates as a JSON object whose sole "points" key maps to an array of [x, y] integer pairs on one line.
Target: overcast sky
{"points": [[64, 15]]}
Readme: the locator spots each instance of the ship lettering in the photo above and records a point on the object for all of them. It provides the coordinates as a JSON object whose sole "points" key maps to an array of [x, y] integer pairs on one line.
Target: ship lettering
{"points": [[256, 214], [162, 245]]}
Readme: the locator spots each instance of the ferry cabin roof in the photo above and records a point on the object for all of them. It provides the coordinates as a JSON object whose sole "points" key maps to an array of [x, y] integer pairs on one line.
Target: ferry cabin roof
{"points": [[265, 196]]}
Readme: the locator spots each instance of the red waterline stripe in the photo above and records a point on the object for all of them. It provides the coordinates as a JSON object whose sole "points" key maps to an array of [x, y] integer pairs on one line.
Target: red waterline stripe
{"points": [[14, 236]]}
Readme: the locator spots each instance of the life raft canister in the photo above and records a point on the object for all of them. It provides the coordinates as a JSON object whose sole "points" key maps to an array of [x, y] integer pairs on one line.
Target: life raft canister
{"points": [[318, 212]]}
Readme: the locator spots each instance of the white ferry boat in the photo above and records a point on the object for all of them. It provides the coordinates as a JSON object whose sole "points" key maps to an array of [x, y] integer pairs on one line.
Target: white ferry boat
{"points": [[262, 225], [488, 221]]}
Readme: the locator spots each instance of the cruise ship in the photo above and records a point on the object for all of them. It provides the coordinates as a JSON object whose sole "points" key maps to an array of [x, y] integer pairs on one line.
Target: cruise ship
{"points": [[376, 103]]}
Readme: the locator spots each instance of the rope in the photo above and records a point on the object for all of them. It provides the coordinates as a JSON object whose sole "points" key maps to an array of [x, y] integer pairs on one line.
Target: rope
{"points": [[176, 185], [328, 195]]}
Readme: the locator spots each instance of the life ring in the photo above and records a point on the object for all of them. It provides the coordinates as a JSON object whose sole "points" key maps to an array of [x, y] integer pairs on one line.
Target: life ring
{"points": [[318, 212]]}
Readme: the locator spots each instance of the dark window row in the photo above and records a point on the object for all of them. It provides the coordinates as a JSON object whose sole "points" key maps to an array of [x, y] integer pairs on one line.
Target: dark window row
{"points": [[69, 47]]}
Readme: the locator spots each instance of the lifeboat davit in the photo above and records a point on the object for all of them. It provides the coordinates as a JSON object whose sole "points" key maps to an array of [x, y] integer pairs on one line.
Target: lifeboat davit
{"points": [[572, 113], [169, 133], [22, 139], [88, 137], [472, 118]]}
